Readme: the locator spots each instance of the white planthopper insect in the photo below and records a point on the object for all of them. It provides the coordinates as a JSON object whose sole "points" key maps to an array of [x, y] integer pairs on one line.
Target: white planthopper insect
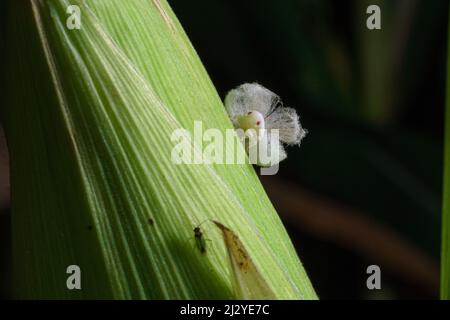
{"points": [[258, 111]]}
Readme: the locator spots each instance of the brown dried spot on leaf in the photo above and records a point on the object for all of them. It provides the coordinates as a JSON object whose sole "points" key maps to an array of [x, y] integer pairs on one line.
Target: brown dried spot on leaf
{"points": [[247, 280]]}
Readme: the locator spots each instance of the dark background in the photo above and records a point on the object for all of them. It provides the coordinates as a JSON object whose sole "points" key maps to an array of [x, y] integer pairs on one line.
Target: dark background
{"points": [[365, 186]]}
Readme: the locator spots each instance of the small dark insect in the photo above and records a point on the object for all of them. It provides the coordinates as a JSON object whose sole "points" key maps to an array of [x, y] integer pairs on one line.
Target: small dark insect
{"points": [[200, 240], [150, 221]]}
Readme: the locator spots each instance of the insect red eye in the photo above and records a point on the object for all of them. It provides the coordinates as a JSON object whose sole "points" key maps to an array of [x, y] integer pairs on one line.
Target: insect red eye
{"points": [[258, 122]]}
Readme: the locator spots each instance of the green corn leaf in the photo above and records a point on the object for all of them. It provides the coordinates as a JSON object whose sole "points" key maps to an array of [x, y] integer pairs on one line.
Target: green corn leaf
{"points": [[89, 117], [445, 256]]}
